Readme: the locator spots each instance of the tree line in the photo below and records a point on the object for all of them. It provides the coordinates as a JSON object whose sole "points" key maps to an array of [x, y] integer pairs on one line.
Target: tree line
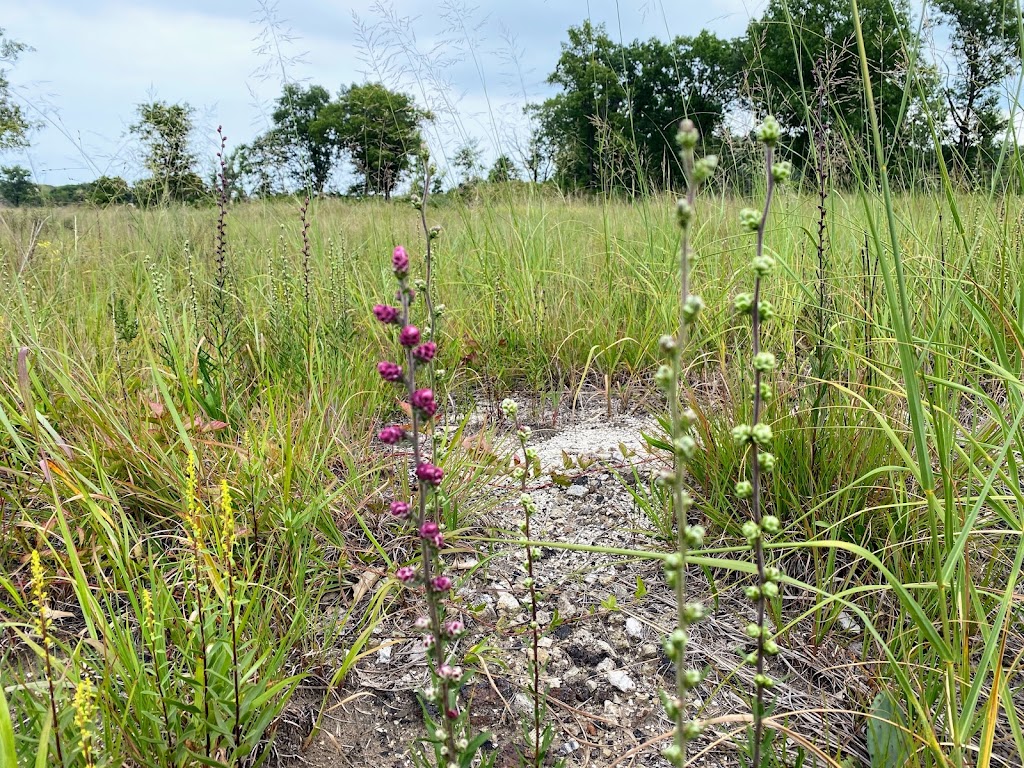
{"points": [[611, 124]]}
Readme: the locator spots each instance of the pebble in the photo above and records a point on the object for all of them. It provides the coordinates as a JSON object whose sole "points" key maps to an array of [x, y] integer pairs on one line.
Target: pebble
{"points": [[634, 629], [621, 680], [384, 655], [507, 603], [577, 491]]}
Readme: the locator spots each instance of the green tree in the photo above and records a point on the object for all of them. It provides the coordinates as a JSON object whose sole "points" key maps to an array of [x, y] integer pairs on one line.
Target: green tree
{"points": [[985, 44], [14, 126], [310, 154], [794, 39], [503, 171], [165, 131], [17, 187], [109, 190], [379, 131]]}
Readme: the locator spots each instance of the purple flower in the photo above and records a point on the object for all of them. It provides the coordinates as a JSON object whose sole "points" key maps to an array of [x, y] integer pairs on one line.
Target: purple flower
{"points": [[389, 371], [441, 583], [429, 529], [410, 336], [405, 574], [454, 628], [400, 509], [448, 672], [423, 399], [385, 313], [425, 352], [429, 474], [422, 623], [400, 261], [391, 435]]}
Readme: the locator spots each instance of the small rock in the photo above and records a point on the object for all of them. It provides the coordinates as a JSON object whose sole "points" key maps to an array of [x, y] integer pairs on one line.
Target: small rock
{"points": [[569, 747], [507, 603], [384, 655], [847, 623], [621, 680], [577, 491], [606, 665], [634, 629]]}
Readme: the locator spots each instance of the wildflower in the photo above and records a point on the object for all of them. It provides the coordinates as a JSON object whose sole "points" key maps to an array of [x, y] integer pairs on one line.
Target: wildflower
{"points": [[684, 212], [694, 535], [386, 313], [84, 705], [441, 583], [409, 336], [782, 171], [389, 371], [454, 628], [421, 623], [510, 408], [770, 524], [762, 265], [761, 434], [400, 262], [744, 489], [750, 219], [448, 672], [429, 473], [391, 435], [435, 232], [742, 433], [704, 168], [764, 362], [694, 304], [423, 400], [766, 461], [400, 509], [425, 352], [405, 574], [688, 136], [42, 614], [743, 303], [769, 131]]}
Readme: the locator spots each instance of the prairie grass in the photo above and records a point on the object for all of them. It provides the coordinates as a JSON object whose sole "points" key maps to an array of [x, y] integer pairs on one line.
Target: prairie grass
{"points": [[899, 488]]}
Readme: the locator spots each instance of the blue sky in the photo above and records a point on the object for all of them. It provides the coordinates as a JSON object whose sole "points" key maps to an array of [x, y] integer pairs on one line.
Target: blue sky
{"points": [[474, 63]]}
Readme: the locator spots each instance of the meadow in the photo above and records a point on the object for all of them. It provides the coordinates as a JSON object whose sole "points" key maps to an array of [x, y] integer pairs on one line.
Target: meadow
{"points": [[189, 428]]}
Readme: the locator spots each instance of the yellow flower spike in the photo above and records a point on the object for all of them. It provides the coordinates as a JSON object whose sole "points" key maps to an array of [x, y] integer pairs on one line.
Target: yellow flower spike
{"points": [[148, 614], [84, 705], [39, 599], [227, 521]]}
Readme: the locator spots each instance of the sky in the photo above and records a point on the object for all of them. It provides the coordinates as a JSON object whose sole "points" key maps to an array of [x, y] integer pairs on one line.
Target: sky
{"points": [[474, 63]]}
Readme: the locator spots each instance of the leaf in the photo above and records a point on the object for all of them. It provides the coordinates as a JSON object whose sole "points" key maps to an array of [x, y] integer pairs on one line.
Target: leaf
{"points": [[563, 481], [641, 588], [8, 757], [888, 744]]}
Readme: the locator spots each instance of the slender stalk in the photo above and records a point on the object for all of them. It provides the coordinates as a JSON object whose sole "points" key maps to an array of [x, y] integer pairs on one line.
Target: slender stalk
{"points": [[39, 597]]}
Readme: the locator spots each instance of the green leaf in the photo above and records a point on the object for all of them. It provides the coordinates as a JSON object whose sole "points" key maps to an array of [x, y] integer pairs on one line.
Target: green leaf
{"points": [[8, 757], [888, 743]]}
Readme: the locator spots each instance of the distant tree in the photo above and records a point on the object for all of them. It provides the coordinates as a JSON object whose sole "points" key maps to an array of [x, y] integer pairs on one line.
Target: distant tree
{"points": [[467, 162], [259, 168], [165, 131], [310, 154], [14, 126], [503, 170], [65, 194], [17, 187], [985, 43], [109, 190], [792, 38], [379, 131]]}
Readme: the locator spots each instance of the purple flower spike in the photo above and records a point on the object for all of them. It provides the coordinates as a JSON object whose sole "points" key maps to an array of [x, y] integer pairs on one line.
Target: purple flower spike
{"points": [[410, 336], [441, 583], [429, 474], [405, 574], [423, 399], [385, 313], [400, 509], [391, 435], [454, 628], [429, 529], [400, 261], [389, 371], [425, 352]]}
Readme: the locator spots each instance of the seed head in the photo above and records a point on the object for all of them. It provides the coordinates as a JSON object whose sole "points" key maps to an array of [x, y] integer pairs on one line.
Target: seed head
{"points": [[750, 220], [768, 132]]}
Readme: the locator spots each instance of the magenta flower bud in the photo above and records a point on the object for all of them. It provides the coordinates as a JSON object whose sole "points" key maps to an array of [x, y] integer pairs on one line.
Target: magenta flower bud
{"points": [[391, 435], [425, 352], [385, 313], [448, 672], [429, 474], [441, 583], [422, 623], [428, 641], [400, 261], [389, 371], [454, 628], [410, 336], [405, 574], [400, 509], [429, 529], [423, 399]]}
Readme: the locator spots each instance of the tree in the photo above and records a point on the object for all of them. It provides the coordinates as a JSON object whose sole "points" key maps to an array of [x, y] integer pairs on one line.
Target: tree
{"points": [[310, 153], [794, 38], [165, 131], [109, 190], [378, 129], [986, 49], [17, 187], [467, 161], [503, 171], [14, 126]]}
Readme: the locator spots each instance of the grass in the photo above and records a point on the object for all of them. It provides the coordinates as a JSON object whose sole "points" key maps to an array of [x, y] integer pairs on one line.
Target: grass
{"points": [[899, 490]]}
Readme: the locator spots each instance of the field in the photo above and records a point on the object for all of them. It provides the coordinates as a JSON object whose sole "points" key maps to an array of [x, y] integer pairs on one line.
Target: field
{"points": [[189, 428]]}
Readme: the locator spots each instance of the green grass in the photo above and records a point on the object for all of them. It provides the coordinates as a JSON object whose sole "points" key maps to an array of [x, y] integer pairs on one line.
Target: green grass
{"points": [[281, 399]]}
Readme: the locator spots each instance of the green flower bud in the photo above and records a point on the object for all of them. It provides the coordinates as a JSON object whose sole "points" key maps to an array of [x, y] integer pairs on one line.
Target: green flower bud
{"points": [[762, 265], [510, 408], [689, 417], [665, 478], [770, 589], [768, 132], [751, 658], [685, 446], [771, 647], [667, 344], [673, 562], [435, 232], [766, 461], [694, 536], [688, 136], [742, 433], [671, 704], [752, 592], [782, 171], [753, 631], [673, 754], [771, 573], [692, 729], [692, 307], [744, 489], [770, 524], [685, 500], [691, 678], [761, 434], [743, 303], [765, 311], [751, 531], [763, 681], [764, 362], [750, 220], [704, 168], [684, 212], [693, 612], [663, 376]]}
